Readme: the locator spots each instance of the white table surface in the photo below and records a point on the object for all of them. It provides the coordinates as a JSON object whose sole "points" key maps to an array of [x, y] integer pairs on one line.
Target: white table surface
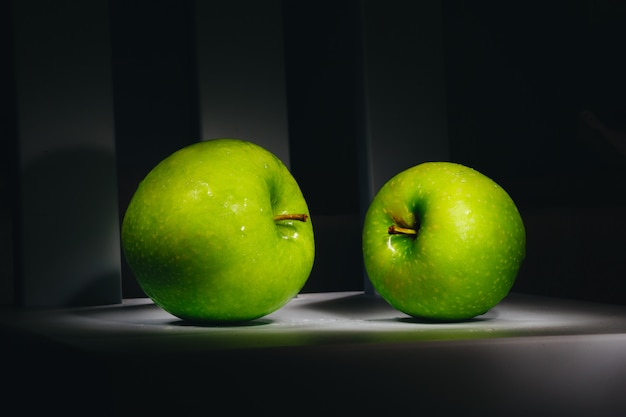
{"points": [[529, 355]]}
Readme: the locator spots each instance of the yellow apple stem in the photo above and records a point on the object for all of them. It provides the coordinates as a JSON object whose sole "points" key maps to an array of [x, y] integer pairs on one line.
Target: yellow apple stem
{"points": [[397, 230], [288, 216]]}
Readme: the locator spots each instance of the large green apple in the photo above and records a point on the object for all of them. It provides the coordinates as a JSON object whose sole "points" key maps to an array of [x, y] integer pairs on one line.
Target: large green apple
{"points": [[442, 241], [219, 231]]}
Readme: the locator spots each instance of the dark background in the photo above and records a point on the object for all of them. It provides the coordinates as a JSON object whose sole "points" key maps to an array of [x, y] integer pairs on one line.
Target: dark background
{"points": [[518, 79]]}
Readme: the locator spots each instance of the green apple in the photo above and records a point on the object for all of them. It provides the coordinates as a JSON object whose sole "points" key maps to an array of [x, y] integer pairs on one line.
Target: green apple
{"points": [[442, 241], [219, 231]]}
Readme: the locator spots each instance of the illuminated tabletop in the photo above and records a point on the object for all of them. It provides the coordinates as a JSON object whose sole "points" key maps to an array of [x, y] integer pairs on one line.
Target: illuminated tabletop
{"points": [[346, 352]]}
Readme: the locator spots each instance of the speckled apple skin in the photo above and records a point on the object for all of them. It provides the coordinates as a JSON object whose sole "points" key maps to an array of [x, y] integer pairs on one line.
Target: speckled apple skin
{"points": [[469, 248], [200, 237]]}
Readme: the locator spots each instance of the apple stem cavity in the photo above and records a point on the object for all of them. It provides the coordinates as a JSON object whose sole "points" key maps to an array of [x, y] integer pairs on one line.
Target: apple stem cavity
{"points": [[288, 216], [397, 230]]}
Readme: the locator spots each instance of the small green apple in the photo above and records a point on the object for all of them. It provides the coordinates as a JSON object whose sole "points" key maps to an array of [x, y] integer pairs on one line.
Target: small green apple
{"points": [[219, 231], [442, 241]]}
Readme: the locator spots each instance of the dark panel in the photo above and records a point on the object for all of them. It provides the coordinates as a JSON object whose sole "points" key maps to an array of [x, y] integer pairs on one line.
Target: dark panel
{"points": [[323, 75], [155, 91], [69, 237], [536, 101], [8, 161], [322, 62], [241, 72]]}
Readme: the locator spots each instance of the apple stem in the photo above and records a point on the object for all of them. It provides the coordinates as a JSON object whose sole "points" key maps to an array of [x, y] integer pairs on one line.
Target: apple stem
{"points": [[397, 230], [288, 216]]}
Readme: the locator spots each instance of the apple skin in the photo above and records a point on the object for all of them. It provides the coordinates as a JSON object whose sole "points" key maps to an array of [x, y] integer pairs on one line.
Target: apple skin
{"points": [[200, 237], [469, 246]]}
